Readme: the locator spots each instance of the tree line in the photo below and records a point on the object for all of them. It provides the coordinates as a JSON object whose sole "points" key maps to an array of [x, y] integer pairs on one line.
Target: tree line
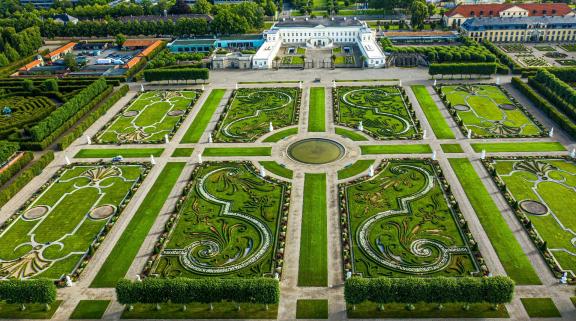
{"points": [[17, 45], [176, 74]]}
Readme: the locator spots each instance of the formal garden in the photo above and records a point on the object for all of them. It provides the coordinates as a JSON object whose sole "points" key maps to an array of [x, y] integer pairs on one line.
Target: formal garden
{"points": [[487, 111], [150, 118], [542, 193], [253, 112], [404, 221], [57, 231], [231, 223], [382, 112]]}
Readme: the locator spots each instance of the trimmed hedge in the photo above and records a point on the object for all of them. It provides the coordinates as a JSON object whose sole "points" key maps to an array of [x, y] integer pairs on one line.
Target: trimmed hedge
{"points": [[207, 290], [93, 117], [494, 290], [41, 291], [560, 118], [176, 74], [59, 116], [25, 177], [7, 149], [463, 69], [503, 57], [9, 172], [557, 91]]}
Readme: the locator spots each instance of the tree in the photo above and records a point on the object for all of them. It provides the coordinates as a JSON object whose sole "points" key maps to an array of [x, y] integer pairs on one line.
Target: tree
{"points": [[3, 60], [227, 22], [11, 53], [120, 39], [202, 7], [180, 7], [28, 85], [270, 8], [70, 61], [50, 85], [419, 13]]}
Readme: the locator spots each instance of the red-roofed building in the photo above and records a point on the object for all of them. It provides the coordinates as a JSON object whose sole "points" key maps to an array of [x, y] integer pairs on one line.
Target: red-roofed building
{"points": [[32, 64], [60, 52], [461, 13]]}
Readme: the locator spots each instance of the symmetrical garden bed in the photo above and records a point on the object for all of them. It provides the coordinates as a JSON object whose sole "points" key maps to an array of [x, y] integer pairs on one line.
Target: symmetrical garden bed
{"points": [[542, 193], [250, 111], [56, 232], [515, 48], [149, 118], [404, 221], [384, 111], [230, 223], [488, 111]]}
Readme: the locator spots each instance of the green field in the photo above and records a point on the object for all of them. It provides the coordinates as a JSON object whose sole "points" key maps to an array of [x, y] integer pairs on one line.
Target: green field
{"points": [[355, 136], [456, 311], [251, 110], [118, 262], [545, 190], [355, 169], [90, 309], [313, 265], [124, 152], [234, 213], [195, 131], [277, 169], [33, 311], [381, 109], [312, 309], [317, 115], [540, 308], [518, 147], [149, 118], [396, 149], [223, 310], [182, 152], [237, 151], [509, 252], [396, 212], [451, 148], [489, 112], [430, 109], [58, 227], [281, 135]]}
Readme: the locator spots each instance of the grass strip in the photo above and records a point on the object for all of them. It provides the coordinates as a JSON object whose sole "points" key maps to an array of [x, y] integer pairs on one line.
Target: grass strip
{"points": [[124, 152], [312, 309], [203, 117], [433, 114], [451, 148], [90, 309], [222, 310], [540, 308], [33, 311], [355, 136], [237, 151], [317, 115], [369, 310], [365, 80], [281, 135], [313, 268], [509, 252], [518, 147], [396, 149], [277, 169], [270, 82], [118, 262], [355, 169], [183, 152]]}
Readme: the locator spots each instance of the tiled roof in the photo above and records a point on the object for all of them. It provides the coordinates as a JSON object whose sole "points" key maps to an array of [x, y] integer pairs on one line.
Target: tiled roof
{"points": [[138, 43], [132, 62], [31, 64], [150, 48], [534, 9], [62, 49]]}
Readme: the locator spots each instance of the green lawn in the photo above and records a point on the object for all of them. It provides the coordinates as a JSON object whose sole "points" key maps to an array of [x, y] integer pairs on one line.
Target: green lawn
{"points": [[118, 262], [451, 148], [518, 147], [513, 259], [540, 308], [317, 115], [312, 309], [203, 117], [396, 149], [223, 310], [237, 151], [355, 136], [355, 169], [124, 152], [183, 152], [313, 267], [277, 169], [435, 118], [90, 309], [370, 310], [281, 135], [33, 311]]}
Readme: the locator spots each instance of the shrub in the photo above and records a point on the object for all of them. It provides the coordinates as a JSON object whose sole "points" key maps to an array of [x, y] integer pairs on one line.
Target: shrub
{"points": [[41, 291], [463, 69], [9, 172], [177, 74], [7, 149]]}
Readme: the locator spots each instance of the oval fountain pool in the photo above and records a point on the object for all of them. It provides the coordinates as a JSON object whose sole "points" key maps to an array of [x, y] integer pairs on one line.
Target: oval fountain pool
{"points": [[316, 151]]}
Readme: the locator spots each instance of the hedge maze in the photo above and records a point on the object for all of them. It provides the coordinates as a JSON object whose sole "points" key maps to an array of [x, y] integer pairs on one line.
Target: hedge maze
{"points": [[250, 112], [149, 118], [542, 192], [404, 222], [488, 112], [24, 110], [57, 230], [384, 112], [232, 223]]}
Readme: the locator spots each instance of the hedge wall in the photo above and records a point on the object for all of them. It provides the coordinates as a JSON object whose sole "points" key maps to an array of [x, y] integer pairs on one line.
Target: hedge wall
{"points": [[25, 177], [560, 118], [93, 117], [207, 290], [9, 172], [41, 291], [557, 91], [503, 57], [176, 74], [59, 116], [7, 149], [463, 69], [495, 290]]}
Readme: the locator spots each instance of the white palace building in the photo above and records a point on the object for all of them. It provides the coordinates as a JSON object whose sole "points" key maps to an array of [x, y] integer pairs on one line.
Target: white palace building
{"points": [[320, 33]]}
